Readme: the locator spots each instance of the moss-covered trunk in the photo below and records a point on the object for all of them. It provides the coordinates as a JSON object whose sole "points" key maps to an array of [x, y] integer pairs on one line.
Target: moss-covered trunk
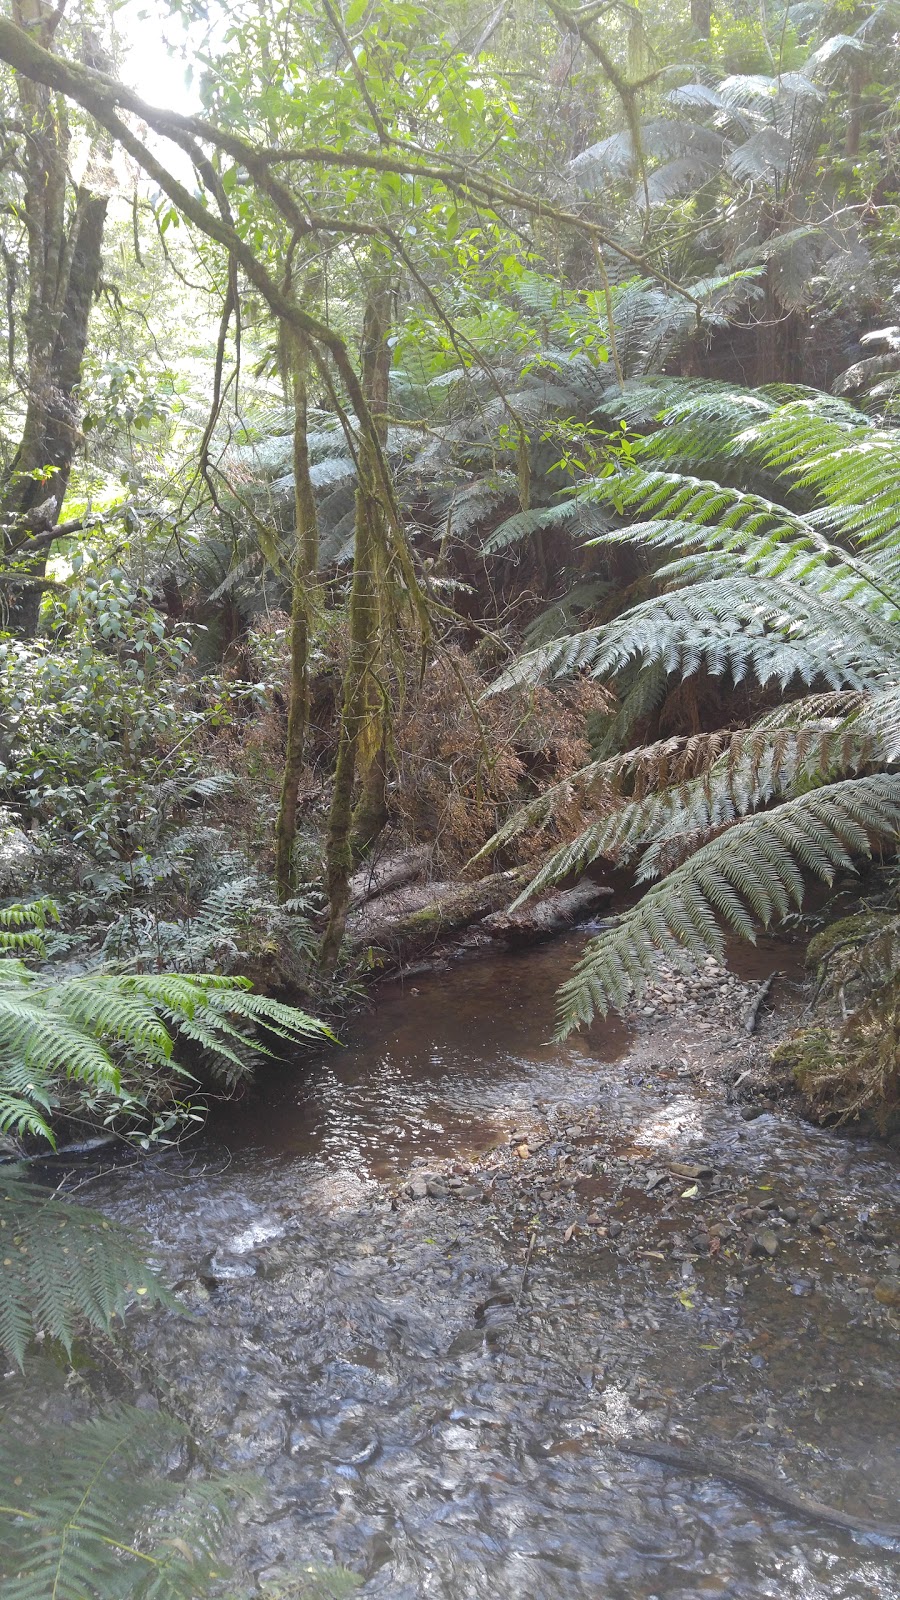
{"points": [[65, 229], [363, 731], [306, 562]]}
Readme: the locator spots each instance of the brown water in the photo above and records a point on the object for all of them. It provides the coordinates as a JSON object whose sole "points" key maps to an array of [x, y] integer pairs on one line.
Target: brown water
{"points": [[423, 1412]]}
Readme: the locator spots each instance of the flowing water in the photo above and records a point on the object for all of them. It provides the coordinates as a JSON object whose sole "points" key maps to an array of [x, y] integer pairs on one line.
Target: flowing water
{"points": [[435, 1407]]}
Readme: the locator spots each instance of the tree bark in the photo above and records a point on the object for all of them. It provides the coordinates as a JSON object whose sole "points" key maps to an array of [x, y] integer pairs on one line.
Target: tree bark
{"points": [[361, 734], [701, 17], [64, 259], [407, 935], [306, 563]]}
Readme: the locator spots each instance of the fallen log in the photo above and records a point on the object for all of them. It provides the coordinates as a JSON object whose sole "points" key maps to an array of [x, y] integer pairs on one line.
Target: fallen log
{"points": [[393, 872], [552, 913], [401, 934]]}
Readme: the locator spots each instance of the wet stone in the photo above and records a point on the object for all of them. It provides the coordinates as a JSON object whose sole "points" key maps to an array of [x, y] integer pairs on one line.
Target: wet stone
{"points": [[765, 1243]]}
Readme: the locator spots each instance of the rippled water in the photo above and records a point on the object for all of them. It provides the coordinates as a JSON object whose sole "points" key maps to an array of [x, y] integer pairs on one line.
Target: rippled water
{"points": [[426, 1412]]}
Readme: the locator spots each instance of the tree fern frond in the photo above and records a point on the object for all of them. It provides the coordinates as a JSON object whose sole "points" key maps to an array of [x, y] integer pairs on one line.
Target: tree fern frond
{"points": [[63, 1266], [754, 866], [773, 631]]}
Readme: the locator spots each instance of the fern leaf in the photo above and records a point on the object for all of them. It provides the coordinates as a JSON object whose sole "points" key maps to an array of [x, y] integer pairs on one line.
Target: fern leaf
{"points": [[753, 870], [89, 1513], [62, 1267]]}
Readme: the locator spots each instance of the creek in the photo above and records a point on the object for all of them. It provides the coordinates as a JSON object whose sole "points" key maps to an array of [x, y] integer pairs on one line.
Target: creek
{"points": [[431, 1388]]}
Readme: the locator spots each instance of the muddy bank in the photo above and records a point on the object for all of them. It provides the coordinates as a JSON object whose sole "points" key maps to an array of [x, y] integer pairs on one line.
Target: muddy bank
{"points": [[431, 1384]]}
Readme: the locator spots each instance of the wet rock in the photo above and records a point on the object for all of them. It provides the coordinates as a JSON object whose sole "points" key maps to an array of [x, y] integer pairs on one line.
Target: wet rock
{"points": [[419, 1188], [615, 1228], [750, 1113], [765, 1243], [435, 1189], [887, 1291], [469, 1191], [229, 1269], [818, 1220], [722, 1230], [790, 1213]]}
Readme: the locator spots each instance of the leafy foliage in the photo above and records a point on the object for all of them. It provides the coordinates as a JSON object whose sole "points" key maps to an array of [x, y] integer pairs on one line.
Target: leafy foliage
{"points": [[63, 1268], [93, 1513], [799, 590], [105, 1041]]}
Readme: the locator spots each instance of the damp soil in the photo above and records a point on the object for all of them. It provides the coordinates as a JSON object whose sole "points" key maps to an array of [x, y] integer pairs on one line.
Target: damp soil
{"points": [[434, 1275]]}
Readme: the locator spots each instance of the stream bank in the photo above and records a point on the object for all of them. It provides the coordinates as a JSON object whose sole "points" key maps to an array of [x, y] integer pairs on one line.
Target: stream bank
{"points": [[435, 1275]]}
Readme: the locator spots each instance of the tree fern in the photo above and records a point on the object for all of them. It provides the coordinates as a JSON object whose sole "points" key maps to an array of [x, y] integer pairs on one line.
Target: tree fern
{"points": [[753, 872], [796, 587]]}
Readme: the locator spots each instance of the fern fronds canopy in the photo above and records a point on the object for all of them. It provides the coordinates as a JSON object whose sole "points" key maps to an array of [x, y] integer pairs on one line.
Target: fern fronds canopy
{"points": [[782, 574], [63, 1267], [84, 1030], [751, 872]]}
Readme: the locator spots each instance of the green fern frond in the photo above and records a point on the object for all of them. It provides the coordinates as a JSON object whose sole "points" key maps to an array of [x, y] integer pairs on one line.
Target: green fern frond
{"points": [[89, 1513], [743, 626], [62, 1267], [752, 873]]}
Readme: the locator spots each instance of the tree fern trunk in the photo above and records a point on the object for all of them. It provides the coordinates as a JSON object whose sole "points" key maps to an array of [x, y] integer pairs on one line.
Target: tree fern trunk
{"points": [[306, 561]]}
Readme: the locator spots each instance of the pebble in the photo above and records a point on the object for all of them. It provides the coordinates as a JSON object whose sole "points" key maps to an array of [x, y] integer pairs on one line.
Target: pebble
{"points": [[615, 1228], [765, 1243], [887, 1291], [418, 1188], [790, 1213], [750, 1113]]}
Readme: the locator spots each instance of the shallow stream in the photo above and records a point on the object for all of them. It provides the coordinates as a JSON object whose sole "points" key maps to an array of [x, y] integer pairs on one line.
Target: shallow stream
{"points": [[432, 1388]]}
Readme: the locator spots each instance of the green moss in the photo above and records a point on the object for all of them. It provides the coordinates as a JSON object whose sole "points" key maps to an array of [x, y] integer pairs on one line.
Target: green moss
{"points": [[806, 1053], [847, 930]]}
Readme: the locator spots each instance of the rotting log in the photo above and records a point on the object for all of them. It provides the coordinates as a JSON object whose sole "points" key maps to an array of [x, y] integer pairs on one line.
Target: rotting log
{"points": [[551, 914], [393, 872], [409, 934]]}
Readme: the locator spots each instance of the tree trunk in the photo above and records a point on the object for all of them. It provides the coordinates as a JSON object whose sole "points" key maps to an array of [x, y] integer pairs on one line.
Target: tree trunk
{"points": [[701, 17], [306, 563], [64, 259], [361, 734]]}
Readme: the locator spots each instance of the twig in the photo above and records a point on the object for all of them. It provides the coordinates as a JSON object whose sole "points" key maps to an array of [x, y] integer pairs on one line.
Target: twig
{"points": [[751, 1016]]}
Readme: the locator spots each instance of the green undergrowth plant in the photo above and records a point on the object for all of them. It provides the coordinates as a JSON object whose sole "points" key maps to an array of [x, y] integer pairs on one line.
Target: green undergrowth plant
{"points": [[94, 1511], [769, 523], [846, 1060], [101, 1047]]}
